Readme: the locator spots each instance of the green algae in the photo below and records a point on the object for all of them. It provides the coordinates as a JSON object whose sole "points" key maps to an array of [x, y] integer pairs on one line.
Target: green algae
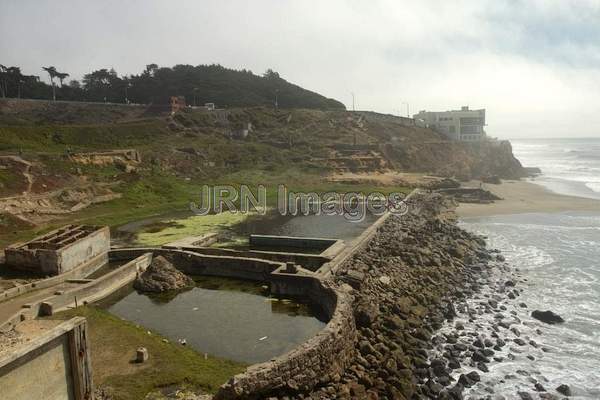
{"points": [[196, 225]]}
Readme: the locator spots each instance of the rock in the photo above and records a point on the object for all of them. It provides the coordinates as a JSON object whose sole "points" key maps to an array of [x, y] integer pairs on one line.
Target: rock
{"points": [[564, 390], [464, 381], [474, 376], [539, 387], [354, 278], [547, 317], [161, 276], [365, 314], [525, 396]]}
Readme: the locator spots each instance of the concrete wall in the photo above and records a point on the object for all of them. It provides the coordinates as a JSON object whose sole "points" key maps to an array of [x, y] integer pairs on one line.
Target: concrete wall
{"points": [[202, 264], [79, 272], [290, 241], [54, 366], [309, 261], [98, 288], [81, 251], [58, 261]]}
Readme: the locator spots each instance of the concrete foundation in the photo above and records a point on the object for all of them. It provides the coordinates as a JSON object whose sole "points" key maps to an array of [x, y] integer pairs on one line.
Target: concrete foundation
{"points": [[59, 251]]}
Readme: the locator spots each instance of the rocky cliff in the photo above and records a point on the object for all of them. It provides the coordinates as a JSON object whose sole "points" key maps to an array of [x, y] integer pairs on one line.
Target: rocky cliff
{"points": [[462, 160]]}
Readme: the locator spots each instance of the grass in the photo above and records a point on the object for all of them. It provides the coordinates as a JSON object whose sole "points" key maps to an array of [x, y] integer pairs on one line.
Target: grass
{"points": [[11, 181], [113, 345], [57, 138]]}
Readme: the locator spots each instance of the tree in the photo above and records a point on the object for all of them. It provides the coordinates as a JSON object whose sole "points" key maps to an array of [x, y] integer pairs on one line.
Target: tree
{"points": [[61, 76], [53, 73], [75, 84], [3, 80], [10, 77]]}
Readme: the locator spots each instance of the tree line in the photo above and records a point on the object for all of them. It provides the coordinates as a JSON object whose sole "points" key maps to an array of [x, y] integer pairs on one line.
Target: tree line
{"points": [[155, 85]]}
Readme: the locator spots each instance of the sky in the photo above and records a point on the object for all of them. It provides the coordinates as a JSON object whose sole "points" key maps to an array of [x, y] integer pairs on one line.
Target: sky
{"points": [[533, 65]]}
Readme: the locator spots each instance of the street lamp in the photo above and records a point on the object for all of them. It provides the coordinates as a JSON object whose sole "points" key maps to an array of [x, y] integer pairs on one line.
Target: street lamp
{"points": [[352, 101]]}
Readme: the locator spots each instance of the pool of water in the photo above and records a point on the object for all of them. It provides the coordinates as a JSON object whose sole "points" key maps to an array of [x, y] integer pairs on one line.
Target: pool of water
{"points": [[232, 319], [235, 229]]}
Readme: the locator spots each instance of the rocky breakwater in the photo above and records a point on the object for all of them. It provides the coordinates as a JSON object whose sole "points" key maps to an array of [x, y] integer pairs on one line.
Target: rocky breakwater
{"points": [[161, 276], [405, 284]]}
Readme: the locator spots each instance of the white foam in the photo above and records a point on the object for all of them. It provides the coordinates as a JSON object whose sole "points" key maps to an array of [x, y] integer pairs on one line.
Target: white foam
{"points": [[595, 186]]}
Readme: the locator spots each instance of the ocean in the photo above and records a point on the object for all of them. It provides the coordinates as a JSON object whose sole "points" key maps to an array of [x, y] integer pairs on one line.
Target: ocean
{"points": [[558, 258], [569, 166]]}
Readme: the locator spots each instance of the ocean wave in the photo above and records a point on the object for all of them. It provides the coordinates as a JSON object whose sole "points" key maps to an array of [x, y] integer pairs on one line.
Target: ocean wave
{"points": [[595, 186]]}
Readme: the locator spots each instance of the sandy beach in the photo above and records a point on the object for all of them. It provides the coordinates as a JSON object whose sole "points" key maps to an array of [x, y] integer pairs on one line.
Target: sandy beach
{"points": [[521, 197]]}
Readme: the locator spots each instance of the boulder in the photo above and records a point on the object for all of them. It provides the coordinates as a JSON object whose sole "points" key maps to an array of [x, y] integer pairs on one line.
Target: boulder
{"points": [[547, 317], [161, 276], [565, 390]]}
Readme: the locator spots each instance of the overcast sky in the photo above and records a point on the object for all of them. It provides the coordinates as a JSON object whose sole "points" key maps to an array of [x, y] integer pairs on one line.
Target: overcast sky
{"points": [[534, 65]]}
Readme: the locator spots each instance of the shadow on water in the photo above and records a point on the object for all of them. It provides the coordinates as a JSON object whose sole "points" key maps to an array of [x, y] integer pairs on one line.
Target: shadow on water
{"points": [[228, 318]]}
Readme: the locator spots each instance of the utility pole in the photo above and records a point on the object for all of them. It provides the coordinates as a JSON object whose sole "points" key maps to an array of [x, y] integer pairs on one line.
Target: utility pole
{"points": [[353, 101], [127, 86], [276, 99], [407, 109]]}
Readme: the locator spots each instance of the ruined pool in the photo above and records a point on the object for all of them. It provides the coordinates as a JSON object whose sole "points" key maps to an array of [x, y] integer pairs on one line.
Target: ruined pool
{"points": [[227, 318], [235, 228]]}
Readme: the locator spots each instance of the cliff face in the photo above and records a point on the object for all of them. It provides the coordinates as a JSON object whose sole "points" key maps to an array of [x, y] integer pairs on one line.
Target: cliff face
{"points": [[458, 159]]}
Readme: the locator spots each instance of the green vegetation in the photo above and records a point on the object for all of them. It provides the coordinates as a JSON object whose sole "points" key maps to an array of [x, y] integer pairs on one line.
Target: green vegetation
{"points": [[60, 139], [155, 85], [10, 181], [192, 226], [114, 342]]}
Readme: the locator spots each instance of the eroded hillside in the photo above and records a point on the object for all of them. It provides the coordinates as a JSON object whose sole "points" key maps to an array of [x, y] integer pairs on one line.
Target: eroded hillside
{"points": [[62, 158]]}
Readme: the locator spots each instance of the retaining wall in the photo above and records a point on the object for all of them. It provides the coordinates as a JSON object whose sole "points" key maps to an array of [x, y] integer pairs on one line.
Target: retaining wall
{"points": [[54, 366], [98, 288], [191, 263], [309, 261], [80, 272]]}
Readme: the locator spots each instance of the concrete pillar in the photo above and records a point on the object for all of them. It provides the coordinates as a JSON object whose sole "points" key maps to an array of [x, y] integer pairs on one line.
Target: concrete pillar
{"points": [[290, 268], [141, 355]]}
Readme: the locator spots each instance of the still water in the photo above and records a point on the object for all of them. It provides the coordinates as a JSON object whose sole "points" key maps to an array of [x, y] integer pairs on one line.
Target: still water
{"points": [[232, 319], [235, 228]]}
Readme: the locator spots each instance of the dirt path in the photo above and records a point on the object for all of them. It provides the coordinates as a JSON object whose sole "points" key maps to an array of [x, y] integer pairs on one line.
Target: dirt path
{"points": [[29, 178]]}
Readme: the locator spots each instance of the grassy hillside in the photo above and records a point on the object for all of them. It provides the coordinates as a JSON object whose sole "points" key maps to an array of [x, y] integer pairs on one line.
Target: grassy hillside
{"points": [[301, 148]]}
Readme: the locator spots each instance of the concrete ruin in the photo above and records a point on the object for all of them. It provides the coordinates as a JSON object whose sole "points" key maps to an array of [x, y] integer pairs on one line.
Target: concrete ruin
{"points": [[61, 250], [53, 366]]}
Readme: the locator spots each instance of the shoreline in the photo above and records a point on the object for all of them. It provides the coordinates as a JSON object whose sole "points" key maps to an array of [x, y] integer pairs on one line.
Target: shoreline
{"points": [[522, 197]]}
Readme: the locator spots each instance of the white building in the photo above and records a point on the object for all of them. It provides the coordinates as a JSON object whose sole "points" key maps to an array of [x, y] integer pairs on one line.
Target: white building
{"points": [[463, 124]]}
